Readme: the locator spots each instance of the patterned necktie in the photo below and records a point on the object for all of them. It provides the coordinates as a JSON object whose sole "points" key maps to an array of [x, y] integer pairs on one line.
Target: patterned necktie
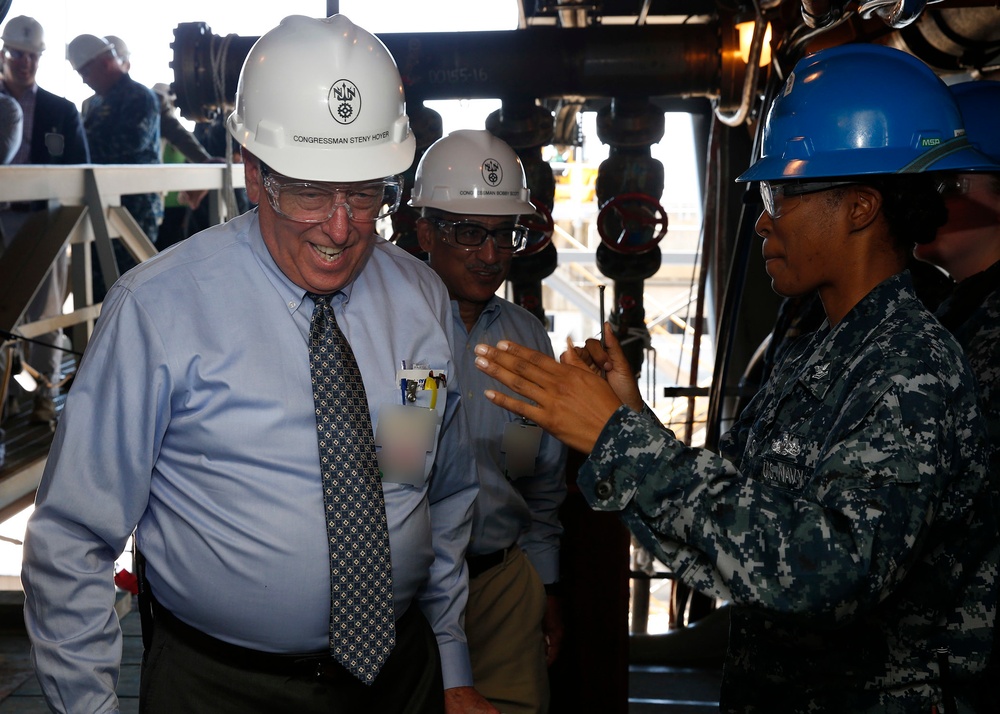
{"points": [[362, 626]]}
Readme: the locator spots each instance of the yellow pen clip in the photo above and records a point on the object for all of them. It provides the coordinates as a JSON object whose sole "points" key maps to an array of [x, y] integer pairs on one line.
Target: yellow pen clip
{"points": [[430, 383]]}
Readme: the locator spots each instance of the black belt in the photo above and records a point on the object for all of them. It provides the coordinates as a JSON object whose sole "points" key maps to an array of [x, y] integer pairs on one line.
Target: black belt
{"points": [[479, 564], [319, 665]]}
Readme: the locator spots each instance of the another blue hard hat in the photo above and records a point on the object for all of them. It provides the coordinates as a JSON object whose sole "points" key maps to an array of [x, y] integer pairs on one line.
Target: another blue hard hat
{"points": [[979, 103], [863, 109]]}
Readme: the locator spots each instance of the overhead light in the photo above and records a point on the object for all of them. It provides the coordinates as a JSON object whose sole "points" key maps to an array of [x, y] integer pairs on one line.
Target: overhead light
{"points": [[746, 37]]}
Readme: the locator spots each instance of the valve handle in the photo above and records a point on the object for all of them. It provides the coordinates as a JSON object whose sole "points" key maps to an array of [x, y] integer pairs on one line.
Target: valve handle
{"points": [[632, 223], [540, 228]]}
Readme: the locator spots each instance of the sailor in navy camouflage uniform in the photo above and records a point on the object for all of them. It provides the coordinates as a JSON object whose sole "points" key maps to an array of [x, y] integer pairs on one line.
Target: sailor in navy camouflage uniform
{"points": [[967, 247], [122, 121], [850, 516]]}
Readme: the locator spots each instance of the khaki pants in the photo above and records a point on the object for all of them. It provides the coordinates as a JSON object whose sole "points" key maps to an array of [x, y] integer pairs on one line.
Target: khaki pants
{"points": [[503, 622]]}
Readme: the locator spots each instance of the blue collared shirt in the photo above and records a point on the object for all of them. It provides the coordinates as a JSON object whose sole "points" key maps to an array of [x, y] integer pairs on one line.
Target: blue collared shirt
{"points": [[525, 510], [192, 416]]}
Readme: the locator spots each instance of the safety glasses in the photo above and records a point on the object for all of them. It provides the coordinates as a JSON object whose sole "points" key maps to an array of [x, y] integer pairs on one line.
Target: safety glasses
{"points": [[472, 236], [316, 202], [18, 55], [778, 197], [951, 186]]}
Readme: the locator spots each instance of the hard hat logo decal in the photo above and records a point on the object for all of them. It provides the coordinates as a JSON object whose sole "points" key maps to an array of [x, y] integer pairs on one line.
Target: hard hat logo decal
{"points": [[344, 101], [492, 172]]}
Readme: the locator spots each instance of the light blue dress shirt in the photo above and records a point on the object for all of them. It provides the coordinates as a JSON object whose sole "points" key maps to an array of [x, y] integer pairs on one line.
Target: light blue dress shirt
{"points": [[192, 416], [526, 510]]}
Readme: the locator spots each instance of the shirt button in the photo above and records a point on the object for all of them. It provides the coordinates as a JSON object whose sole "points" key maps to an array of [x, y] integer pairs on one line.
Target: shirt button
{"points": [[292, 305]]}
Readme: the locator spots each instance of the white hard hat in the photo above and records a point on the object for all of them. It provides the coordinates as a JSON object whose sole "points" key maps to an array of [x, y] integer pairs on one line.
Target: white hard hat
{"points": [[84, 48], [24, 33], [322, 100], [471, 171], [121, 49]]}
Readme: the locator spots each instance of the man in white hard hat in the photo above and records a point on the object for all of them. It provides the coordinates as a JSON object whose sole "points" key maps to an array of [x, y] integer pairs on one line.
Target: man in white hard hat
{"points": [[53, 134], [470, 189], [271, 406], [177, 145], [53, 131], [171, 129], [122, 121]]}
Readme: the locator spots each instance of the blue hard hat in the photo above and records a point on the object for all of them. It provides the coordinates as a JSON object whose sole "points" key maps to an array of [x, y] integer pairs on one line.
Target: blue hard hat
{"points": [[979, 103], [863, 109]]}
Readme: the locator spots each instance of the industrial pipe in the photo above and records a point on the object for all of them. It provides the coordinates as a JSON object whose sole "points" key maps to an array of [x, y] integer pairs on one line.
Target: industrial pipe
{"points": [[597, 61]]}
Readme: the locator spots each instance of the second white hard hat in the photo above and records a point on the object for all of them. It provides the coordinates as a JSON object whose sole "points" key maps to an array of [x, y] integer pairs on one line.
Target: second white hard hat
{"points": [[85, 48], [471, 171], [121, 49]]}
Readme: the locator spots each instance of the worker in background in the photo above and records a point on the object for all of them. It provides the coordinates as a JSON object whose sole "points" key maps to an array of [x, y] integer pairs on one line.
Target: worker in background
{"points": [[178, 144], [122, 121], [53, 134], [967, 248], [470, 189], [850, 516], [303, 525], [171, 128]]}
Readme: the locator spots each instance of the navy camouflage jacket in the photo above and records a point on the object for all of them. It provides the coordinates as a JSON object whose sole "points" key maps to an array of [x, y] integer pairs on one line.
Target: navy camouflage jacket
{"points": [[123, 127], [850, 518], [972, 314]]}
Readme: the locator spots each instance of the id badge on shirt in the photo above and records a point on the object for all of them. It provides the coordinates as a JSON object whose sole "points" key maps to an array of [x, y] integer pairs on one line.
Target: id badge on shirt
{"points": [[406, 432], [55, 143], [520, 444]]}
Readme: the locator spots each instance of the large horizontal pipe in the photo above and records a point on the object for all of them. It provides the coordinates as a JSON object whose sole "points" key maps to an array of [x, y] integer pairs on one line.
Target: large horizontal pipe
{"points": [[536, 62]]}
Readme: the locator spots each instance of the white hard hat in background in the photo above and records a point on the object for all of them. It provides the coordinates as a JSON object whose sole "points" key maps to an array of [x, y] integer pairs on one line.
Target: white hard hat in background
{"points": [[25, 34], [84, 48], [322, 100], [121, 49], [471, 171]]}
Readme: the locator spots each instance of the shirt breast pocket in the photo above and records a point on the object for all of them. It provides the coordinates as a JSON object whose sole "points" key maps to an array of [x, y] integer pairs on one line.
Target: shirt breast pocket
{"points": [[872, 444]]}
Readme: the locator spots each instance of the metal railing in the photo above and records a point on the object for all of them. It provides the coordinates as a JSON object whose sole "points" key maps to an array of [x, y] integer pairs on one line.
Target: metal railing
{"points": [[83, 208]]}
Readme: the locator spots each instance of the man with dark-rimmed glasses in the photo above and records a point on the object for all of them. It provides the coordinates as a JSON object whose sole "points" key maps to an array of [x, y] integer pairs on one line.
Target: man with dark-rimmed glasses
{"points": [[471, 191]]}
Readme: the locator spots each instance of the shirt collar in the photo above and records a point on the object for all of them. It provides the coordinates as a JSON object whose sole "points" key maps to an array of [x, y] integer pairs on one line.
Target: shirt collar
{"points": [[835, 347], [486, 318]]}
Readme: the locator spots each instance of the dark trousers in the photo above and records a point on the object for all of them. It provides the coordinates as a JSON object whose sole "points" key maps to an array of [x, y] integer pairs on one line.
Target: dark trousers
{"points": [[187, 671]]}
